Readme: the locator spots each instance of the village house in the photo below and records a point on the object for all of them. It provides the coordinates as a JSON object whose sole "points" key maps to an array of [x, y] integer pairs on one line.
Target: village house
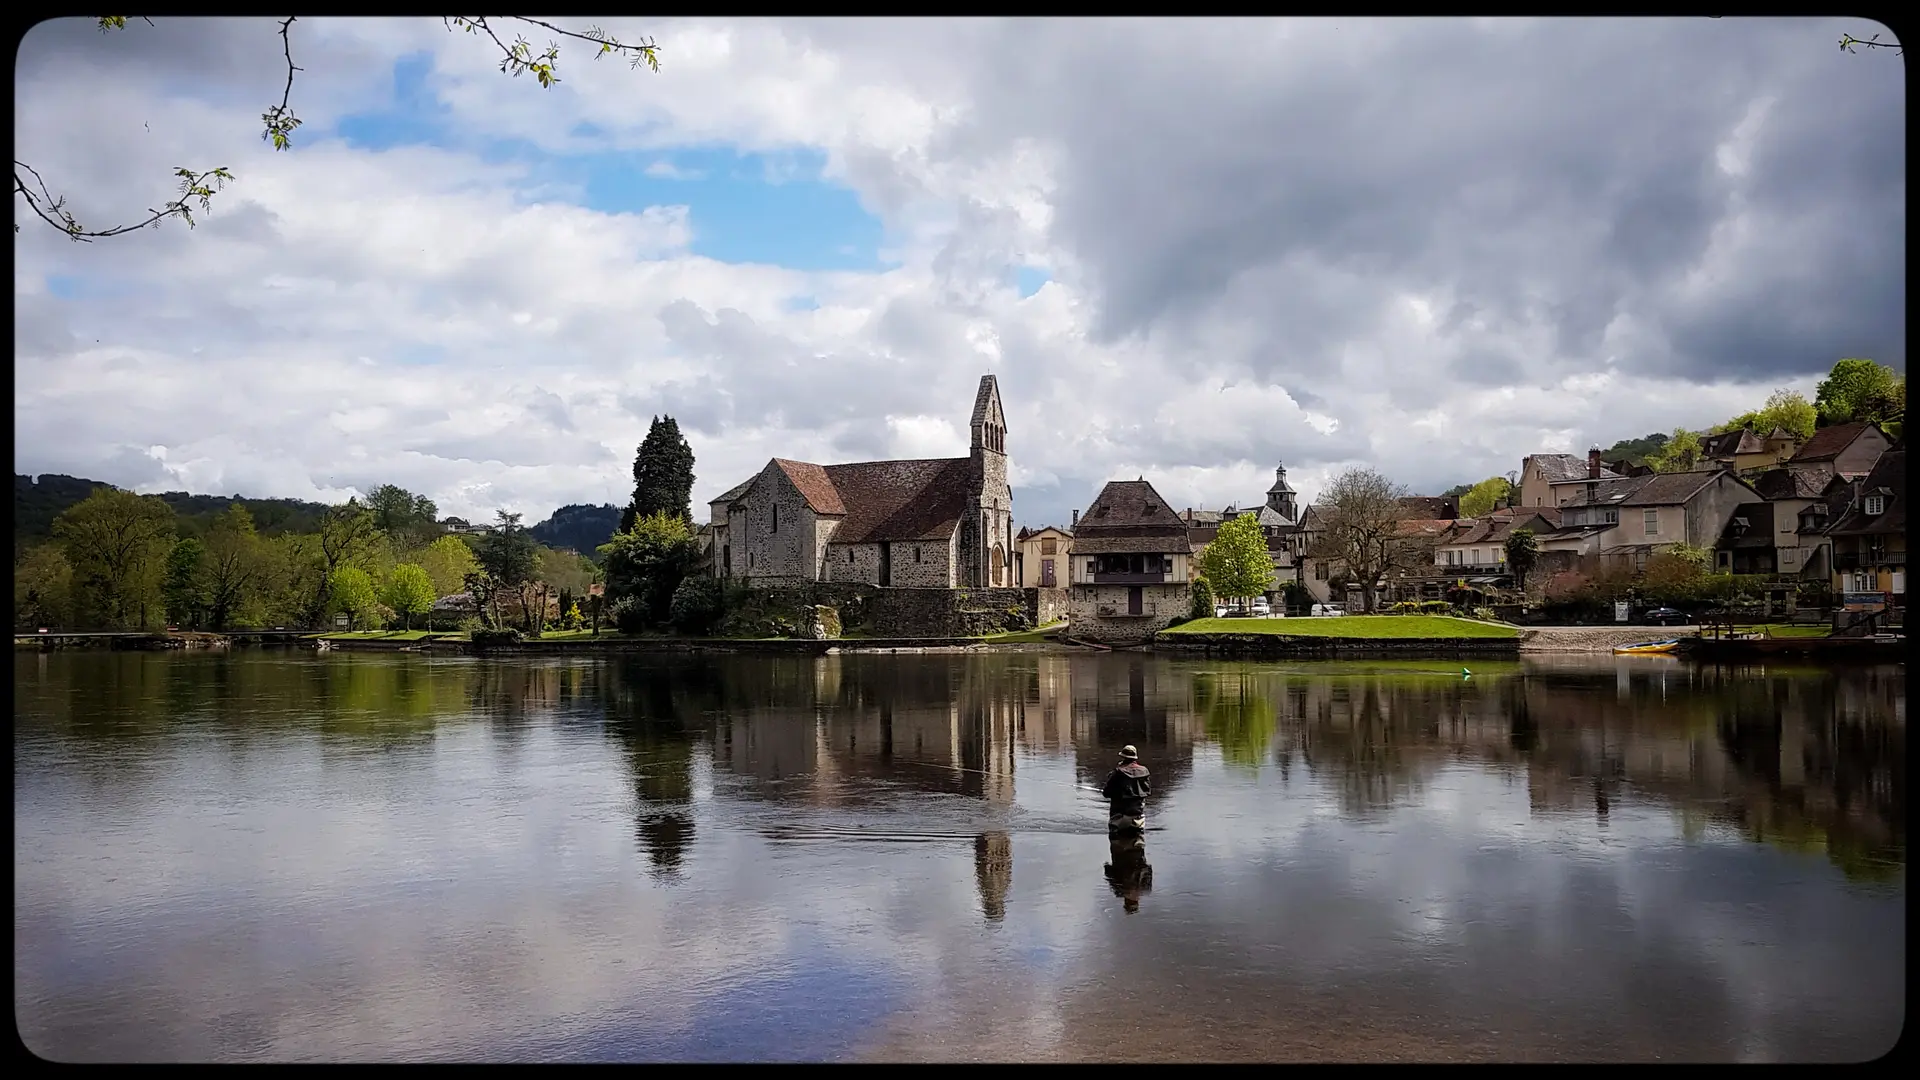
{"points": [[1870, 539], [1278, 517], [1743, 451], [930, 523], [1554, 479], [1848, 450], [1418, 532], [1131, 570], [1797, 530], [1640, 515], [1040, 556]]}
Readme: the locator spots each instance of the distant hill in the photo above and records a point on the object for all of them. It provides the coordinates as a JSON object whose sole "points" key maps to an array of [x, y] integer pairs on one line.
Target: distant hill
{"points": [[579, 527], [1635, 451], [37, 502]]}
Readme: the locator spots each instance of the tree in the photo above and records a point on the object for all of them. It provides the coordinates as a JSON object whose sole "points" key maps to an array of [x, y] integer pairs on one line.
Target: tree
{"points": [[1787, 409], [347, 535], [409, 592], [293, 579], [1523, 551], [697, 605], [185, 593], [510, 560], [42, 583], [1236, 564], [232, 568], [117, 544], [447, 562], [279, 120], [1857, 389], [644, 565], [662, 475], [1482, 497], [1362, 530], [1200, 599], [402, 515], [351, 591], [1635, 451], [1680, 453]]}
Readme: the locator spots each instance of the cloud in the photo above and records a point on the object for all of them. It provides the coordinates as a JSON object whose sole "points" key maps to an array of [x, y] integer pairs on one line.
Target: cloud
{"points": [[1403, 243]]}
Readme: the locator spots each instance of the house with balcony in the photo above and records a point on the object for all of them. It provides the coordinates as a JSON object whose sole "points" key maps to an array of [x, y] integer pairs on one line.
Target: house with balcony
{"points": [[1744, 450], [1131, 570], [1800, 516], [1640, 515], [1870, 539], [1040, 557]]}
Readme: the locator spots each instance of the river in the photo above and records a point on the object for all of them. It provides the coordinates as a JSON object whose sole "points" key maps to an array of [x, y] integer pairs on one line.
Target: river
{"points": [[286, 856]]}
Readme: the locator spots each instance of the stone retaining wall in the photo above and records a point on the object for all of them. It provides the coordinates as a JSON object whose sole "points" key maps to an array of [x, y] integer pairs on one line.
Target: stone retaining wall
{"points": [[1275, 646], [1595, 639]]}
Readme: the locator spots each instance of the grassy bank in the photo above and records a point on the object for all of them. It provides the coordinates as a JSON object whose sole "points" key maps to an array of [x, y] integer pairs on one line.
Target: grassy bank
{"points": [[388, 635], [1037, 636], [1352, 627]]}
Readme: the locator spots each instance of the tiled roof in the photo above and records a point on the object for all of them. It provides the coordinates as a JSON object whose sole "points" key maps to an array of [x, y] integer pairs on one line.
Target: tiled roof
{"points": [[1729, 443], [813, 483], [1423, 526], [732, 493], [900, 500], [1430, 507], [1827, 443], [1800, 482], [1888, 480], [1607, 492], [1479, 531], [1129, 516], [1672, 489], [1565, 468]]}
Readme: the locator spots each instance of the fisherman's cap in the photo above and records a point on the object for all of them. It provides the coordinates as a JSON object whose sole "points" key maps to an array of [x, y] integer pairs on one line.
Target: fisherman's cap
{"points": [[1129, 753]]}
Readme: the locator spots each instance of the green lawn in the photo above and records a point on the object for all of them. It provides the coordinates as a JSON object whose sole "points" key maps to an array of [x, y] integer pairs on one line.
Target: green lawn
{"points": [[1430, 627], [1035, 636]]}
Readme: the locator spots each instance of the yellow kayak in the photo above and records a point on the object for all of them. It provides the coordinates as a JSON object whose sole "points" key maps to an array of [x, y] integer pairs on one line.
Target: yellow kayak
{"points": [[1647, 648]]}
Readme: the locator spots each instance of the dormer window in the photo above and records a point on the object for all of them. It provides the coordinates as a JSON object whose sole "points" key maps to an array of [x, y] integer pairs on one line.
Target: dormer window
{"points": [[1876, 505]]}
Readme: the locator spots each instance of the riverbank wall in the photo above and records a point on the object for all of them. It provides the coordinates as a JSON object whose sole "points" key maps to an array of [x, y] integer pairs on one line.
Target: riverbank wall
{"points": [[1278, 647]]}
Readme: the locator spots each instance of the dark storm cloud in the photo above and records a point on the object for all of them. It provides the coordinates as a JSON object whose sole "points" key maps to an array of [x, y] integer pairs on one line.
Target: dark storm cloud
{"points": [[1558, 169]]}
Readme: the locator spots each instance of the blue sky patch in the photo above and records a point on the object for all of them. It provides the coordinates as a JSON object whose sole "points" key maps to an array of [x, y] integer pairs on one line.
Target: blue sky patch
{"points": [[414, 117], [65, 286], [1028, 280]]}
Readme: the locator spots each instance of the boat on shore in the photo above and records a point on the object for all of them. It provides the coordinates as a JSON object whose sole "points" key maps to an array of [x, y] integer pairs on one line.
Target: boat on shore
{"points": [[1648, 648]]}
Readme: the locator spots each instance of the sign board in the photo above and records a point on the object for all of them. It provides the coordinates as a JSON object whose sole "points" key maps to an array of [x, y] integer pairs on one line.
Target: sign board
{"points": [[1866, 601], [1620, 611], [342, 620]]}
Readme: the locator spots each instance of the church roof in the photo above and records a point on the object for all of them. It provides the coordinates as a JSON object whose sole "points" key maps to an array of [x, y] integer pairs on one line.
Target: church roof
{"points": [[901, 500]]}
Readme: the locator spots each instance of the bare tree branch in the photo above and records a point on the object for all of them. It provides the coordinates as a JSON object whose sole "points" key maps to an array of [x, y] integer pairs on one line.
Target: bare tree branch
{"points": [[279, 120], [1848, 43]]}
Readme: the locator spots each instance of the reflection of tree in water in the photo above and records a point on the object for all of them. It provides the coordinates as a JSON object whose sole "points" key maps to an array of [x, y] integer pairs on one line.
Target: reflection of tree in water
{"points": [[1371, 735], [652, 710], [1236, 714], [993, 872]]}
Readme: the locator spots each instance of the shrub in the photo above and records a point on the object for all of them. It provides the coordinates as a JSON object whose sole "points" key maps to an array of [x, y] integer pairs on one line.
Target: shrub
{"points": [[629, 614], [1202, 606], [697, 605], [505, 635]]}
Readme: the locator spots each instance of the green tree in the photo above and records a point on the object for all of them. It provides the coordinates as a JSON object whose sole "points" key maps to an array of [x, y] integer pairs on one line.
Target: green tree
{"points": [[447, 562], [42, 584], [644, 565], [351, 591], [1200, 601], [117, 544], [185, 591], [233, 567], [510, 560], [1236, 564], [1482, 497], [1680, 453], [409, 592], [347, 536], [1857, 389], [407, 518], [662, 475], [293, 579], [697, 605], [1523, 551], [280, 122], [1788, 409]]}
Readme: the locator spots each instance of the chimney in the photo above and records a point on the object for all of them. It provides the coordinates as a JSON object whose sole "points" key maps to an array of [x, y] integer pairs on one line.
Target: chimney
{"points": [[1076, 519], [1593, 463]]}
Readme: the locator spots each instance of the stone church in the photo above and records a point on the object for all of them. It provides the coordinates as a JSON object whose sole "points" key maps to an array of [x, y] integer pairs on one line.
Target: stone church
{"points": [[930, 523]]}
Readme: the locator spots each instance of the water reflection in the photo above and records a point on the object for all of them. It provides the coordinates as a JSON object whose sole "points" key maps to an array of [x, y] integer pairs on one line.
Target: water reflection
{"points": [[274, 856]]}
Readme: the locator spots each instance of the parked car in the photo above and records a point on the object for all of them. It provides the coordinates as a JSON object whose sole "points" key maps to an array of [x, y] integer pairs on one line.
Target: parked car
{"points": [[1328, 610], [1666, 616], [1261, 608]]}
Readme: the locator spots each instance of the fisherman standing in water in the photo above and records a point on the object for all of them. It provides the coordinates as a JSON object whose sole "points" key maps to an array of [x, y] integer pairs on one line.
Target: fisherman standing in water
{"points": [[1126, 794]]}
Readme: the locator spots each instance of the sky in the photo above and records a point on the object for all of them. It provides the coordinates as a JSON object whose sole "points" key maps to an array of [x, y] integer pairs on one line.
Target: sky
{"points": [[1189, 250]]}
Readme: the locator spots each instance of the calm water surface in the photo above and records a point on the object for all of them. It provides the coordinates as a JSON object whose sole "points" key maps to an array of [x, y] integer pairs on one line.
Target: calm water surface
{"points": [[278, 856]]}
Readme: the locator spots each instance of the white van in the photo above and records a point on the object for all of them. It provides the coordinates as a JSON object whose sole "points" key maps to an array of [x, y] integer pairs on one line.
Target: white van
{"points": [[1328, 610], [1261, 608]]}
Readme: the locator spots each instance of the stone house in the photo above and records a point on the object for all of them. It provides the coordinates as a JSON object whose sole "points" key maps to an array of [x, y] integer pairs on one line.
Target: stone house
{"points": [[1131, 570], [1798, 540], [1643, 514], [1744, 450], [1848, 450], [1040, 557], [1870, 537], [929, 523], [1555, 479]]}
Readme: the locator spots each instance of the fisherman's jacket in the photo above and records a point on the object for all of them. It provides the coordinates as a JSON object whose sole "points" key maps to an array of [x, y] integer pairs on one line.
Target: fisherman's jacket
{"points": [[1126, 789]]}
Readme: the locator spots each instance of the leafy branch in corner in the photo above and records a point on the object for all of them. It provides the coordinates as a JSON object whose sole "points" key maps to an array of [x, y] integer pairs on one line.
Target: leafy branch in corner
{"points": [[279, 120], [1848, 43]]}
